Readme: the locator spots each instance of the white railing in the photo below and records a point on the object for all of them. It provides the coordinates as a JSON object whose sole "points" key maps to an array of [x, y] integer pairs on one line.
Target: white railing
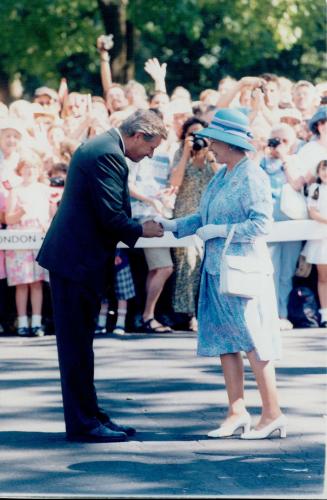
{"points": [[302, 230]]}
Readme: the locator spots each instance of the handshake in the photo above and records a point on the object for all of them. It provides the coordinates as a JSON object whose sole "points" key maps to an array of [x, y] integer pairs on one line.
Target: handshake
{"points": [[157, 227]]}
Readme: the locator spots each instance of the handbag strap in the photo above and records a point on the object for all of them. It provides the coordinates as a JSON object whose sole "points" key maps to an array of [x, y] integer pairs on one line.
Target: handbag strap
{"points": [[228, 240]]}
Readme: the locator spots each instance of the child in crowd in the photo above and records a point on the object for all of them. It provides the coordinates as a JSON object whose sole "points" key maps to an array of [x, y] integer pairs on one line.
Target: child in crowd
{"points": [[315, 251], [124, 290], [28, 207], [11, 138]]}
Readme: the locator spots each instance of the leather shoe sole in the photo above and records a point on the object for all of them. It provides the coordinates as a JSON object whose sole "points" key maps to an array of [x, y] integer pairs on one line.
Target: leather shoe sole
{"points": [[100, 434]]}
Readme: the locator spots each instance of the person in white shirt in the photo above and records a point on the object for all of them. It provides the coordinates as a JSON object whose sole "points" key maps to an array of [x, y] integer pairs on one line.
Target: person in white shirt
{"points": [[315, 150]]}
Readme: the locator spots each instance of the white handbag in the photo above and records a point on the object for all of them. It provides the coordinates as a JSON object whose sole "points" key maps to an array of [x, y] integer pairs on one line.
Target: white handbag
{"points": [[240, 275], [293, 203]]}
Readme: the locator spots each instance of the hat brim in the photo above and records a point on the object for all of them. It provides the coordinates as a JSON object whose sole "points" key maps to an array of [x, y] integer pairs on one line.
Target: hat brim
{"points": [[218, 135]]}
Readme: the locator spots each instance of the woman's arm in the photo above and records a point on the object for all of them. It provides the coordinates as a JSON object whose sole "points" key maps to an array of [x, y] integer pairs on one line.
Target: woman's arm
{"points": [[13, 213], [316, 215], [178, 171], [105, 71], [247, 81], [256, 202]]}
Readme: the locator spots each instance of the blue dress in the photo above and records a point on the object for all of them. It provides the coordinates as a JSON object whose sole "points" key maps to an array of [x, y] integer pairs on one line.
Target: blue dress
{"points": [[229, 324]]}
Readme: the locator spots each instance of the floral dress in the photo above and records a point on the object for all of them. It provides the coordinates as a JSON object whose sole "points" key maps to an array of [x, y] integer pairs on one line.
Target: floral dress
{"points": [[21, 265], [229, 324], [187, 260]]}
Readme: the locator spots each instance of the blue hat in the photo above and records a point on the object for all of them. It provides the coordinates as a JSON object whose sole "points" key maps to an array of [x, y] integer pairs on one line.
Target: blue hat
{"points": [[230, 126], [320, 114]]}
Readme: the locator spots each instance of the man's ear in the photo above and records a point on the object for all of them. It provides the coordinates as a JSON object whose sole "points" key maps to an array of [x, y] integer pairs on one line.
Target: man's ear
{"points": [[138, 135]]}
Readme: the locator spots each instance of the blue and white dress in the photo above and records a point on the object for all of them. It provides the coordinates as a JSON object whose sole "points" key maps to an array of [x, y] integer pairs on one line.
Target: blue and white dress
{"points": [[229, 324]]}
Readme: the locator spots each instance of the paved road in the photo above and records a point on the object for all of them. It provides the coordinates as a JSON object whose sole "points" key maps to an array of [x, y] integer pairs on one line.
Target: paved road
{"points": [[157, 384]]}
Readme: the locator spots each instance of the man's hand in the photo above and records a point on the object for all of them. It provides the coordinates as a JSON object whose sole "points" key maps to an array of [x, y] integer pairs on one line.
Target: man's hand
{"points": [[152, 229]]}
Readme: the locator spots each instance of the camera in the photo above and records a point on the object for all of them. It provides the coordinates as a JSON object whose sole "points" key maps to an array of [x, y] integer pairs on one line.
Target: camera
{"points": [[198, 143], [57, 181], [273, 142]]}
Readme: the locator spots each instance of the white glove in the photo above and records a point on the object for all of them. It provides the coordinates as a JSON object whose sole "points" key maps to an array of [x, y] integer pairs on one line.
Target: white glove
{"points": [[168, 225], [212, 231]]}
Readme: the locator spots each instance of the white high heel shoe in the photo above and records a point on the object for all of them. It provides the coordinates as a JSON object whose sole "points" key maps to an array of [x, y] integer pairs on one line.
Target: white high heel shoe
{"points": [[230, 429], [279, 424]]}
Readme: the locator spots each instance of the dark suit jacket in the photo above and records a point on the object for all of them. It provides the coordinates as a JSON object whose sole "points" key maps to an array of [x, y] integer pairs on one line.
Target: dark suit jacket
{"points": [[94, 214]]}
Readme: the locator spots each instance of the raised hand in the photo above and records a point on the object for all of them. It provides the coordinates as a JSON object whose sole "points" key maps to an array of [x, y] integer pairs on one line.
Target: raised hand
{"points": [[105, 42], [155, 70]]}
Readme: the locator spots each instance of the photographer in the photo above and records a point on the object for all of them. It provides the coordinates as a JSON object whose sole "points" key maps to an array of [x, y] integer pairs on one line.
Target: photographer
{"points": [[193, 167], [282, 167]]}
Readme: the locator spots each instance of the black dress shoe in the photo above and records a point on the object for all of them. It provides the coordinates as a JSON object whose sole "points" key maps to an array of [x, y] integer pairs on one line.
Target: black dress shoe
{"points": [[110, 424], [100, 434], [323, 324]]}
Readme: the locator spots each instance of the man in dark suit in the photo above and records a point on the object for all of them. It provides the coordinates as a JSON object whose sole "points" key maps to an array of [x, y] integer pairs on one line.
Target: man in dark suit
{"points": [[78, 250]]}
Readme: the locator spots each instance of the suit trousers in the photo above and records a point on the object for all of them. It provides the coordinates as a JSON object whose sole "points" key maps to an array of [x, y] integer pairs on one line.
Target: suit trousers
{"points": [[75, 309]]}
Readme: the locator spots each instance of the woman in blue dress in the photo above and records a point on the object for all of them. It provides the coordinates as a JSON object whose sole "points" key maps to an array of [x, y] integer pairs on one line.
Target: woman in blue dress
{"points": [[239, 195]]}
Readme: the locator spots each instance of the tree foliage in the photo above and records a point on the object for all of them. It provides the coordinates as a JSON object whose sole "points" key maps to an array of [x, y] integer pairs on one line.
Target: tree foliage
{"points": [[201, 40]]}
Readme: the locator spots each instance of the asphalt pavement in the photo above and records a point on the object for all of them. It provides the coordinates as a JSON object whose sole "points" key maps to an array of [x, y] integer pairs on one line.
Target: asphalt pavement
{"points": [[157, 384]]}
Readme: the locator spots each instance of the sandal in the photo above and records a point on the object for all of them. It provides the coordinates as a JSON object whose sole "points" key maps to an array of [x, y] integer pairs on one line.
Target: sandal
{"points": [[147, 328]]}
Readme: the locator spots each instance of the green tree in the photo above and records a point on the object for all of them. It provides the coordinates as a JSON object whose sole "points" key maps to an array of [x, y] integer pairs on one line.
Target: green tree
{"points": [[201, 40], [40, 37], [207, 39]]}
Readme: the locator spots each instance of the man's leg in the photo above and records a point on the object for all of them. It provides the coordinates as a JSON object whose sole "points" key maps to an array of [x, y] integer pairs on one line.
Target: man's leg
{"points": [[74, 308]]}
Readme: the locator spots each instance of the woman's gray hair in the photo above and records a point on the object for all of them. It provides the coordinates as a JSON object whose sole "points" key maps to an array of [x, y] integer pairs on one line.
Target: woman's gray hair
{"points": [[237, 148], [145, 121]]}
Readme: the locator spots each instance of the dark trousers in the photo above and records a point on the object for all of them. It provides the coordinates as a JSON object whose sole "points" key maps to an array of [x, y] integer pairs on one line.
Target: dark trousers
{"points": [[75, 309]]}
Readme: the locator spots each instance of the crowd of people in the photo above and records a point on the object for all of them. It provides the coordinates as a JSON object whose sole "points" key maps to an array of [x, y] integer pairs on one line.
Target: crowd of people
{"points": [[38, 136]]}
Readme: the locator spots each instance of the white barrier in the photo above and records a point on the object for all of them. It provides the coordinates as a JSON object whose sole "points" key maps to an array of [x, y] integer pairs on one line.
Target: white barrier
{"points": [[17, 239]]}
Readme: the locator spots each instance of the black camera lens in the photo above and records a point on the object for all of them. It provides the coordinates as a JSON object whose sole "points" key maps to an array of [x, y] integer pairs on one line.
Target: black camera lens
{"points": [[199, 143], [273, 142], [57, 181]]}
